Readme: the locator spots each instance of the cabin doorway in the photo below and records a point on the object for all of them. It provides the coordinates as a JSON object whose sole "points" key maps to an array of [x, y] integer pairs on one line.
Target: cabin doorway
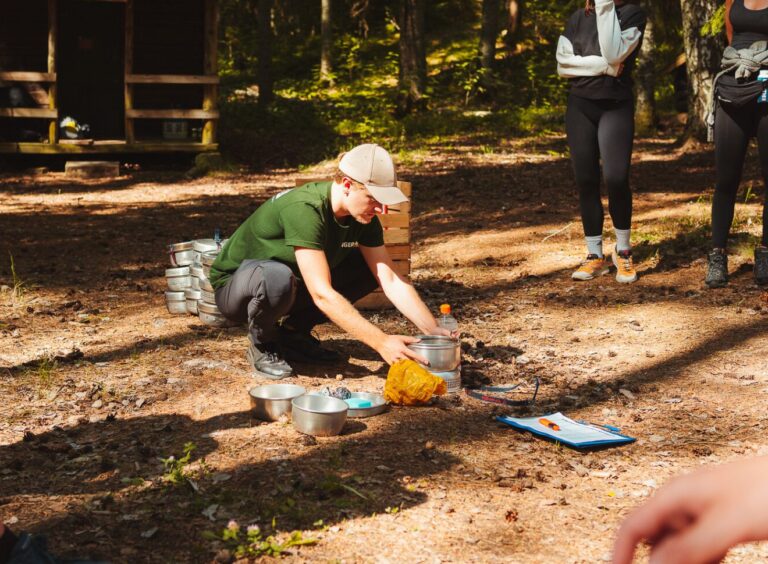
{"points": [[90, 66]]}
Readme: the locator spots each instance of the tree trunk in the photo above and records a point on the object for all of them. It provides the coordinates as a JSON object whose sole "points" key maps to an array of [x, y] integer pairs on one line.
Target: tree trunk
{"points": [[702, 61], [326, 41], [413, 60], [264, 71], [514, 13], [645, 108], [488, 32]]}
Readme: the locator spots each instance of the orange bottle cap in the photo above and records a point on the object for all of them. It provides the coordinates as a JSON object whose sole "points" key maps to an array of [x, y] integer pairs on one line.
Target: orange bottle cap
{"points": [[445, 309]]}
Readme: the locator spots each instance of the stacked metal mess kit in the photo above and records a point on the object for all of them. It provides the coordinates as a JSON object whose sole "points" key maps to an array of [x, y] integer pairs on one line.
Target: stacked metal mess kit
{"points": [[189, 290]]}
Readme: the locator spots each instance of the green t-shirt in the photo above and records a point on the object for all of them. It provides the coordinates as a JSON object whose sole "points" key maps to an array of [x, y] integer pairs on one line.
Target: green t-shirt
{"points": [[301, 217]]}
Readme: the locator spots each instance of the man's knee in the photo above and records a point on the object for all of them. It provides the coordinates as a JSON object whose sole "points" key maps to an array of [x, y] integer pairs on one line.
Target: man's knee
{"points": [[279, 285]]}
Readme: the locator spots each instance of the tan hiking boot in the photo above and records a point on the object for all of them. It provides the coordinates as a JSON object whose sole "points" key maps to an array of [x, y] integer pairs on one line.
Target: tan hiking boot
{"points": [[592, 267], [625, 268]]}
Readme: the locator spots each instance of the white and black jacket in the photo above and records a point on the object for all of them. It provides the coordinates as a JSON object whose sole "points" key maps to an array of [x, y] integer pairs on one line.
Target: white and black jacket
{"points": [[594, 46]]}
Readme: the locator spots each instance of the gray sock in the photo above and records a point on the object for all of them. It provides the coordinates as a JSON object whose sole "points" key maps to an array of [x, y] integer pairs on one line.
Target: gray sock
{"points": [[594, 244], [622, 239]]}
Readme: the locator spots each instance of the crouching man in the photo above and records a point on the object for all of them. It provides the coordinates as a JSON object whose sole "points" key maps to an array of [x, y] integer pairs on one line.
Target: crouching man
{"points": [[306, 255]]}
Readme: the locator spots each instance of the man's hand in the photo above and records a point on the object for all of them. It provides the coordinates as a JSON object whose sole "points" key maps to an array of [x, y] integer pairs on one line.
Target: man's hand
{"points": [[395, 347], [444, 332], [697, 518]]}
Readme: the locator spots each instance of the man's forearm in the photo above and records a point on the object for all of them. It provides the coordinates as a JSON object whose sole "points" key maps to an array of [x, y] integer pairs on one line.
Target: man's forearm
{"points": [[342, 313], [405, 298]]}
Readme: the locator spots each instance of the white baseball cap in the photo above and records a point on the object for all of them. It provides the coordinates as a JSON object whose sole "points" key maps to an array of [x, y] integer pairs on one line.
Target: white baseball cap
{"points": [[372, 166]]}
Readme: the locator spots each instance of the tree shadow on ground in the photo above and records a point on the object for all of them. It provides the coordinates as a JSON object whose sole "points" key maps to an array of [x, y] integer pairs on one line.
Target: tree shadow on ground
{"points": [[329, 480], [100, 241]]}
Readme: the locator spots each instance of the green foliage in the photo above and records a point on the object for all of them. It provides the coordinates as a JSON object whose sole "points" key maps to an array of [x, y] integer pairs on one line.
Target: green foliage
{"points": [[175, 467], [44, 371], [252, 544], [18, 287], [716, 24], [311, 120]]}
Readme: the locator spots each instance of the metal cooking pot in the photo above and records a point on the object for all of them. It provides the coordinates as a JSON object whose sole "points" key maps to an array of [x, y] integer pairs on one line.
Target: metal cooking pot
{"points": [[192, 296], [443, 353], [178, 279], [182, 254], [210, 315], [176, 302]]}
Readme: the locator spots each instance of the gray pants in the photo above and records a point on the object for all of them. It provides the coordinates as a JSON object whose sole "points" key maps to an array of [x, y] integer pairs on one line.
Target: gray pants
{"points": [[263, 291]]}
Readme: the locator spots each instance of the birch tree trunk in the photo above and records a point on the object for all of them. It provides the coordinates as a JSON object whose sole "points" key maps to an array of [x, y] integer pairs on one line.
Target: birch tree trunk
{"points": [[514, 13], [703, 56], [645, 108], [413, 59], [326, 42]]}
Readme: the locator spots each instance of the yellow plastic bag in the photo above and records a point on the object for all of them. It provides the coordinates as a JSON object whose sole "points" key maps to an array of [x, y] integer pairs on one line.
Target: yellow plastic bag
{"points": [[410, 384]]}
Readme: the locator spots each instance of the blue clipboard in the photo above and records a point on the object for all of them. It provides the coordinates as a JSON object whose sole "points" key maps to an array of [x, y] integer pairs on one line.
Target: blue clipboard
{"points": [[562, 429]]}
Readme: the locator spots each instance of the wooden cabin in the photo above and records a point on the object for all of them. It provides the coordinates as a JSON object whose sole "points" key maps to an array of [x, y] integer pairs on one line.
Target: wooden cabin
{"points": [[142, 74]]}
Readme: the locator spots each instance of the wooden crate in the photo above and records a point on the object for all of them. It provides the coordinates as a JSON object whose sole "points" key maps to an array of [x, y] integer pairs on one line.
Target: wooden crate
{"points": [[397, 239]]}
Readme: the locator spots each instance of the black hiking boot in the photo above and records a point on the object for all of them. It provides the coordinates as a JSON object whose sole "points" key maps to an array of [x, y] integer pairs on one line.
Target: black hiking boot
{"points": [[717, 269], [266, 361], [303, 347], [761, 265]]}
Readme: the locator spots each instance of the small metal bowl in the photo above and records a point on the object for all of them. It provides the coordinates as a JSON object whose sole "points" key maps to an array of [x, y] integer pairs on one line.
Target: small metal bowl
{"points": [[181, 254], [321, 416], [210, 315], [378, 405], [176, 302], [192, 296], [178, 279], [271, 401], [443, 353]]}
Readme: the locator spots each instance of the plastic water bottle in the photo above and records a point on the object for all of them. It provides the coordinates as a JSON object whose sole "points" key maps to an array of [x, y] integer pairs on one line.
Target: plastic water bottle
{"points": [[446, 320], [217, 238], [762, 76]]}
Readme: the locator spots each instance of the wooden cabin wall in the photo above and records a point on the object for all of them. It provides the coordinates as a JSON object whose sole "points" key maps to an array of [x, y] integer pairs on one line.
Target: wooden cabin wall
{"points": [[168, 39], [24, 35], [23, 47]]}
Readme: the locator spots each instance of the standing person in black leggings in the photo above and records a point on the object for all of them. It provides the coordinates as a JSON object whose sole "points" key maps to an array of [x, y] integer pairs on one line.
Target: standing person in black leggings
{"points": [[597, 53], [739, 116]]}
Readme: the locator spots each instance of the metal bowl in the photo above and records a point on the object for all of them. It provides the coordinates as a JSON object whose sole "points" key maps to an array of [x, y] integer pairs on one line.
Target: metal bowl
{"points": [[210, 315], [443, 353], [178, 279], [207, 258], [181, 254], [176, 302], [378, 405], [205, 284], [321, 416], [205, 245], [192, 296], [271, 401]]}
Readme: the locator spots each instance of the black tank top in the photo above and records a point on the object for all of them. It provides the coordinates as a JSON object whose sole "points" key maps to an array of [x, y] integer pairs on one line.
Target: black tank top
{"points": [[748, 25]]}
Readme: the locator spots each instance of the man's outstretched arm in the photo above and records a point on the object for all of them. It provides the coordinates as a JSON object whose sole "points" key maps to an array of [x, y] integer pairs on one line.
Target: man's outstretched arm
{"points": [[317, 276]]}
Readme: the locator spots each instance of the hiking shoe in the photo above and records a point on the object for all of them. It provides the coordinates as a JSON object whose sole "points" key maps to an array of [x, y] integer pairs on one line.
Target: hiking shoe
{"points": [[592, 267], [625, 268], [267, 361], [717, 268], [303, 347], [761, 265]]}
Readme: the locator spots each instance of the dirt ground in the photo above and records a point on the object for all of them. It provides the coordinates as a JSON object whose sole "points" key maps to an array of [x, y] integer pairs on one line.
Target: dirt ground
{"points": [[100, 382]]}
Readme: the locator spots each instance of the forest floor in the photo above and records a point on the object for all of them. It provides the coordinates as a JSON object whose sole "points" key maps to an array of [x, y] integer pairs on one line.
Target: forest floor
{"points": [[100, 382]]}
